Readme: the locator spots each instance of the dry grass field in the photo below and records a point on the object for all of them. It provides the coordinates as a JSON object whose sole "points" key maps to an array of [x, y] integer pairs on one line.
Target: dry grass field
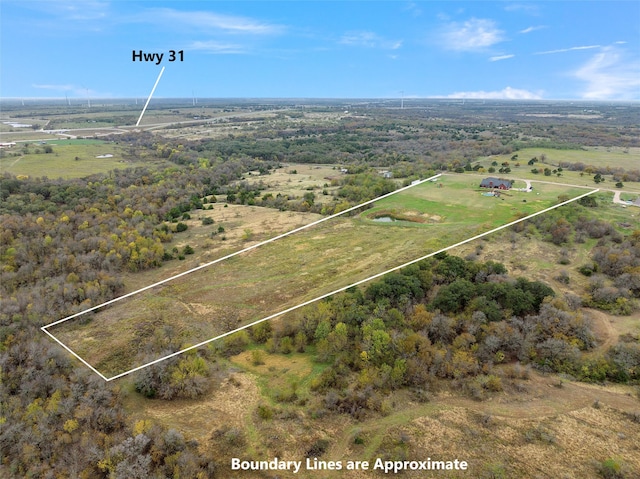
{"points": [[290, 270], [537, 427]]}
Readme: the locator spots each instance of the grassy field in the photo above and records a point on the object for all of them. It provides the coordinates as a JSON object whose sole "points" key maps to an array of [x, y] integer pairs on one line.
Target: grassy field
{"points": [[627, 158], [567, 177], [297, 268], [306, 178], [62, 162]]}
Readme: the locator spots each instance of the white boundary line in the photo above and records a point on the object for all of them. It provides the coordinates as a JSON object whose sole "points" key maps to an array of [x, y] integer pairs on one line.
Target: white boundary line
{"points": [[119, 298], [293, 308], [150, 95], [344, 288], [82, 360]]}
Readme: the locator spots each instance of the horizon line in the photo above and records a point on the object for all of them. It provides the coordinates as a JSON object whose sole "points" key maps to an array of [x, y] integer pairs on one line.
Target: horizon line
{"points": [[425, 98]]}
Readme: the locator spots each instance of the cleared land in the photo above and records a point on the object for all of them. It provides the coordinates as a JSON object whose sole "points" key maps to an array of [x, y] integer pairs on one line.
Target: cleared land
{"points": [[626, 158], [296, 179], [289, 271], [69, 159]]}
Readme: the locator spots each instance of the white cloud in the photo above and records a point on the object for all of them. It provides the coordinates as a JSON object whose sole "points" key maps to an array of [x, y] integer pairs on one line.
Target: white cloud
{"points": [[474, 34], [67, 87], [533, 29], [571, 49], [208, 21], [82, 11], [500, 57], [75, 10], [527, 8], [507, 93], [369, 40], [413, 9], [212, 46], [69, 15], [609, 75]]}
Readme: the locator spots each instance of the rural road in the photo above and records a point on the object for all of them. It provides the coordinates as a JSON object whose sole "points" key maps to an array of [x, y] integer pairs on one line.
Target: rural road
{"points": [[72, 133], [616, 198]]}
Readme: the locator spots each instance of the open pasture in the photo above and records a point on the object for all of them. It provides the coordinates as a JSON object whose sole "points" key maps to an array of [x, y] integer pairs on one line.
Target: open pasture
{"points": [[296, 179], [627, 158], [282, 274], [599, 157], [69, 159]]}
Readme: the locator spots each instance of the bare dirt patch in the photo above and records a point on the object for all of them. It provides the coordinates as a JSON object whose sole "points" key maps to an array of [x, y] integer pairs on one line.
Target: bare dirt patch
{"points": [[603, 327]]}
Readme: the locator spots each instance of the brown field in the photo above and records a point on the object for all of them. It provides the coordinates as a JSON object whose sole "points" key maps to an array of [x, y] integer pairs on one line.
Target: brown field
{"points": [[526, 430], [307, 178]]}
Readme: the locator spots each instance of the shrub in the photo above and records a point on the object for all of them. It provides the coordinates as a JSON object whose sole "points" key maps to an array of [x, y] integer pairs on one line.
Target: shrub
{"points": [[207, 221], [611, 469], [231, 436], [492, 383], [261, 332], [264, 411], [286, 395], [180, 227], [588, 201], [563, 277], [587, 269], [235, 343], [286, 345], [257, 357], [318, 448]]}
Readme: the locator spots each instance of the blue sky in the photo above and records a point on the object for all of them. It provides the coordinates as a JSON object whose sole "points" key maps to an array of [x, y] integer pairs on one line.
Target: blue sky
{"points": [[332, 49]]}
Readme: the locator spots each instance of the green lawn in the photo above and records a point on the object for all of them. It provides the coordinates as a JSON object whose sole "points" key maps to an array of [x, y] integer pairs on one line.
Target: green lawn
{"points": [[62, 162], [627, 158]]}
